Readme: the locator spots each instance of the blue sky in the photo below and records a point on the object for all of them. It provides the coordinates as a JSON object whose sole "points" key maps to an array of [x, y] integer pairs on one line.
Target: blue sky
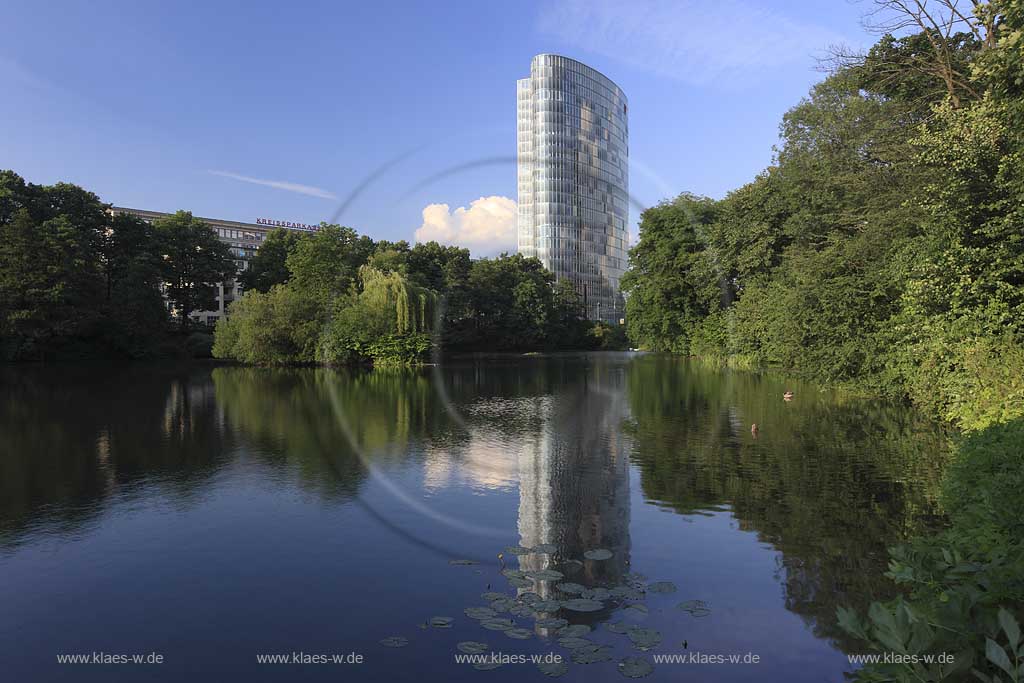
{"points": [[242, 110]]}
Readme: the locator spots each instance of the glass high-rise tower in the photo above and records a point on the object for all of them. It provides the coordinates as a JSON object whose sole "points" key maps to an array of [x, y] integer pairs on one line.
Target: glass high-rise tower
{"points": [[573, 149]]}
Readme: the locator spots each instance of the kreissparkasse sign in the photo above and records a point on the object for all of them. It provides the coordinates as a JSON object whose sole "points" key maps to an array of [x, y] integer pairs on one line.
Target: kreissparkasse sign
{"points": [[287, 224]]}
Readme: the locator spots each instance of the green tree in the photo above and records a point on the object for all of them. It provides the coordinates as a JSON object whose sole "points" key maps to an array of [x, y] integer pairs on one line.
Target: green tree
{"points": [[269, 266], [194, 261], [326, 263]]}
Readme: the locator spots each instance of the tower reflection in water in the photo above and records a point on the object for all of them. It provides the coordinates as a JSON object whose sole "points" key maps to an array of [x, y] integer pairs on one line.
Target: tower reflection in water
{"points": [[574, 482]]}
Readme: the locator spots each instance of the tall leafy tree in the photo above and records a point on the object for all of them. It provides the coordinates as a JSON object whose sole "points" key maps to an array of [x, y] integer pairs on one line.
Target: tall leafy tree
{"points": [[269, 266], [194, 261]]}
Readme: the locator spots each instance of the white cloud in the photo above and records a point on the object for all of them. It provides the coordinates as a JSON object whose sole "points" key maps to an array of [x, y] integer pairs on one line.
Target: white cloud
{"points": [[695, 41], [487, 227], [279, 184]]}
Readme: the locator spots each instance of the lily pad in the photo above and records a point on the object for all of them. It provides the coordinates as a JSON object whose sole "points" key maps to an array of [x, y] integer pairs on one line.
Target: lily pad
{"points": [[596, 593], [573, 642], [637, 610], [544, 549], [513, 573], [662, 587], [591, 654], [644, 638], [626, 593], [583, 605], [572, 566], [486, 666], [546, 575], [517, 550], [497, 624], [635, 667], [519, 610], [492, 595], [696, 608], [479, 613], [617, 627], [574, 631], [598, 554], [462, 563], [551, 623], [553, 669], [395, 641], [441, 622], [570, 588], [521, 583], [519, 633], [502, 604], [529, 598], [472, 647], [546, 606]]}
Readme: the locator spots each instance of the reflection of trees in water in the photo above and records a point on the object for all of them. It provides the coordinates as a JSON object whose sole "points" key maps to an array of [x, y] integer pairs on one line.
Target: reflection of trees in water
{"points": [[830, 483], [73, 437]]}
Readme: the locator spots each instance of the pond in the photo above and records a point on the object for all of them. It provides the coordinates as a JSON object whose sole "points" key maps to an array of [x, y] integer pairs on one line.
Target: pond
{"points": [[224, 517]]}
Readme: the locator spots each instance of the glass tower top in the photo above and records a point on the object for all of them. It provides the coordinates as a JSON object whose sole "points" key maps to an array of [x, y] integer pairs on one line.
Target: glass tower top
{"points": [[573, 149]]}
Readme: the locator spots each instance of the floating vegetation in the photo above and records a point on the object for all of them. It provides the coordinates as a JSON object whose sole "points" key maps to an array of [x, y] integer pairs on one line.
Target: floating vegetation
{"points": [[570, 587], [572, 566], [502, 604], [486, 666], [529, 597], [544, 549], [517, 550], [574, 631], [596, 593], [591, 654], [617, 627], [635, 667], [519, 633], [552, 623], [546, 575], [498, 624], [520, 610], [636, 576], [462, 563], [513, 573], [696, 608], [546, 606], [626, 593], [395, 641], [490, 596], [441, 622], [598, 554], [553, 669], [573, 642], [521, 583], [479, 613], [662, 587], [644, 638], [583, 605], [637, 610], [472, 647]]}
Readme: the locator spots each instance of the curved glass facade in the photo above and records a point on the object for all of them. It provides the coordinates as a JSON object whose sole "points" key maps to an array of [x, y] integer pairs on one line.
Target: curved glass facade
{"points": [[573, 149]]}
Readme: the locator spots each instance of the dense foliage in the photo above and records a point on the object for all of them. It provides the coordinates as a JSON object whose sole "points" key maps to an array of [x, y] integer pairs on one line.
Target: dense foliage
{"points": [[76, 281], [884, 249], [338, 298]]}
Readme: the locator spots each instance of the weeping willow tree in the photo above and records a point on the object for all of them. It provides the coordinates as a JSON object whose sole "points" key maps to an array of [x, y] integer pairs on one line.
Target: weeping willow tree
{"points": [[390, 321]]}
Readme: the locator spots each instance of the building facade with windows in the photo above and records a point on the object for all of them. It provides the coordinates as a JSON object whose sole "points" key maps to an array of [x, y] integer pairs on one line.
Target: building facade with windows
{"points": [[573, 178], [244, 239]]}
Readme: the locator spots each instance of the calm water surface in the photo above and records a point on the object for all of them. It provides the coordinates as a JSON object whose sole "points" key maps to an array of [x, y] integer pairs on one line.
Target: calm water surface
{"points": [[214, 514]]}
